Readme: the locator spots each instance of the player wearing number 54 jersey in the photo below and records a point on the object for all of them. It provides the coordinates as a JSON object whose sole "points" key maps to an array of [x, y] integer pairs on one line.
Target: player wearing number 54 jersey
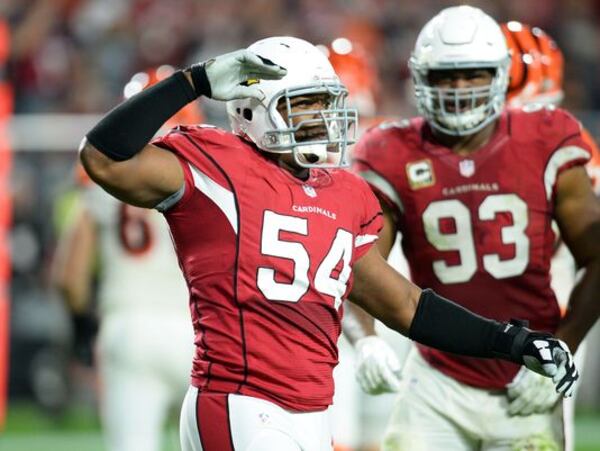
{"points": [[265, 236], [271, 237]]}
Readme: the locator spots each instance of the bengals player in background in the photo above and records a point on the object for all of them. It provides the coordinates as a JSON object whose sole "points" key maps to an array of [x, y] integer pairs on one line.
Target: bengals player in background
{"points": [[271, 239], [536, 78], [145, 341], [473, 188]]}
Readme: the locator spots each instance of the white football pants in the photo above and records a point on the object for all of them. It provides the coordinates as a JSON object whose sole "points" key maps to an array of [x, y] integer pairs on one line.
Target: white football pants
{"points": [[228, 422], [435, 412]]}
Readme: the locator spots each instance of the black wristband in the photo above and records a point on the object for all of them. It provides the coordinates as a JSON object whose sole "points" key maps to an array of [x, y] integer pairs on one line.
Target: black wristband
{"points": [[509, 341], [201, 83], [126, 129], [442, 324]]}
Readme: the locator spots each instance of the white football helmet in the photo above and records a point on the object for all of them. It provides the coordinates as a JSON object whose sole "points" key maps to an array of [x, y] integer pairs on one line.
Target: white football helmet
{"points": [[460, 37], [308, 72]]}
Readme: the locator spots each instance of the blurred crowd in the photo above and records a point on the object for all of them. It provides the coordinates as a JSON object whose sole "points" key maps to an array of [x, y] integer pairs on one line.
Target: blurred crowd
{"points": [[76, 55]]}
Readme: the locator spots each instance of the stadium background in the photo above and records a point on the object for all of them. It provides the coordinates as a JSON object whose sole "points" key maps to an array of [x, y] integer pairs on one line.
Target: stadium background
{"points": [[69, 61]]}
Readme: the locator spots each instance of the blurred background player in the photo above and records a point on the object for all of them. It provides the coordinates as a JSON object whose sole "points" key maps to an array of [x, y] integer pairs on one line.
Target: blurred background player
{"points": [[145, 341], [359, 418], [536, 78], [472, 186]]}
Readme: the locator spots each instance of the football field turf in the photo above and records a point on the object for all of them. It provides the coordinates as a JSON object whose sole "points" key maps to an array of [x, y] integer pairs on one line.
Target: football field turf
{"points": [[28, 429]]}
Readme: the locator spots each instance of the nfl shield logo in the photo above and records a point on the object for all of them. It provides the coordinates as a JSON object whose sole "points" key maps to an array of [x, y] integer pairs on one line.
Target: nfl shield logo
{"points": [[309, 190], [466, 168]]}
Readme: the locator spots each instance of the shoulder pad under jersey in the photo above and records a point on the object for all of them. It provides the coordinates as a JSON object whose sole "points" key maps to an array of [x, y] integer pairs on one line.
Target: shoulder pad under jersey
{"points": [[549, 124]]}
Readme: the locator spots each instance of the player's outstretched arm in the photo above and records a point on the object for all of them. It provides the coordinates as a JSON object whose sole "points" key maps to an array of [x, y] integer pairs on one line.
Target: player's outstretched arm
{"points": [[578, 216], [116, 153], [428, 318]]}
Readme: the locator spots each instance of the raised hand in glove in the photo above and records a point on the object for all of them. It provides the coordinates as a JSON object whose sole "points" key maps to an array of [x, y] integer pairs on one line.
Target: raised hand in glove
{"points": [[231, 76], [377, 366]]}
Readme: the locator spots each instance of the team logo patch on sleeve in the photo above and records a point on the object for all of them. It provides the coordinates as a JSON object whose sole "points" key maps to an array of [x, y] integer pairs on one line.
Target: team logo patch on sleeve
{"points": [[420, 174]]}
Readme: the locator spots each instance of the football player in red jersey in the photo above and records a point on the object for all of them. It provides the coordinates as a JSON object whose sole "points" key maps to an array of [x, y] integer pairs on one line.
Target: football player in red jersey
{"points": [[473, 189], [270, 239]]}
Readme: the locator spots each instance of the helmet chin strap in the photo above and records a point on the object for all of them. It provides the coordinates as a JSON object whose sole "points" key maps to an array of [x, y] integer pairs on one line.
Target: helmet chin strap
{"points": [[318, 150]]}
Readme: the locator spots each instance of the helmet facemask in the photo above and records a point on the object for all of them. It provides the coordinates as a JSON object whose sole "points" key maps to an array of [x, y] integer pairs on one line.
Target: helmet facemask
{"points": [[316, 137], [460, 111]]}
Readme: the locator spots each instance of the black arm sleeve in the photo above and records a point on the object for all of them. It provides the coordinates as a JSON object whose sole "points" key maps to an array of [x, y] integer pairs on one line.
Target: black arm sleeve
{"points": [[442, 324], [126, 129]]}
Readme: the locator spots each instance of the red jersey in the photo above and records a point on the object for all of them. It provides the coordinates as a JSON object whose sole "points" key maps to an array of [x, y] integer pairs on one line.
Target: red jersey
{"points": [[476, 228], [267, 258]]}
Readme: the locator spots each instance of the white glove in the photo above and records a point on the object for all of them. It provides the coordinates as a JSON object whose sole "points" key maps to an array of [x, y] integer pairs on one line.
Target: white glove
{"points": [[226, 73], [530, 393], [377, 367]]}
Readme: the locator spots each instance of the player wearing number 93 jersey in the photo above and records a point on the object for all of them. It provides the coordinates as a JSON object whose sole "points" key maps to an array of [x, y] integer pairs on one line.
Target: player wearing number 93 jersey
{"points": [[473, 189], [472, 222]]}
